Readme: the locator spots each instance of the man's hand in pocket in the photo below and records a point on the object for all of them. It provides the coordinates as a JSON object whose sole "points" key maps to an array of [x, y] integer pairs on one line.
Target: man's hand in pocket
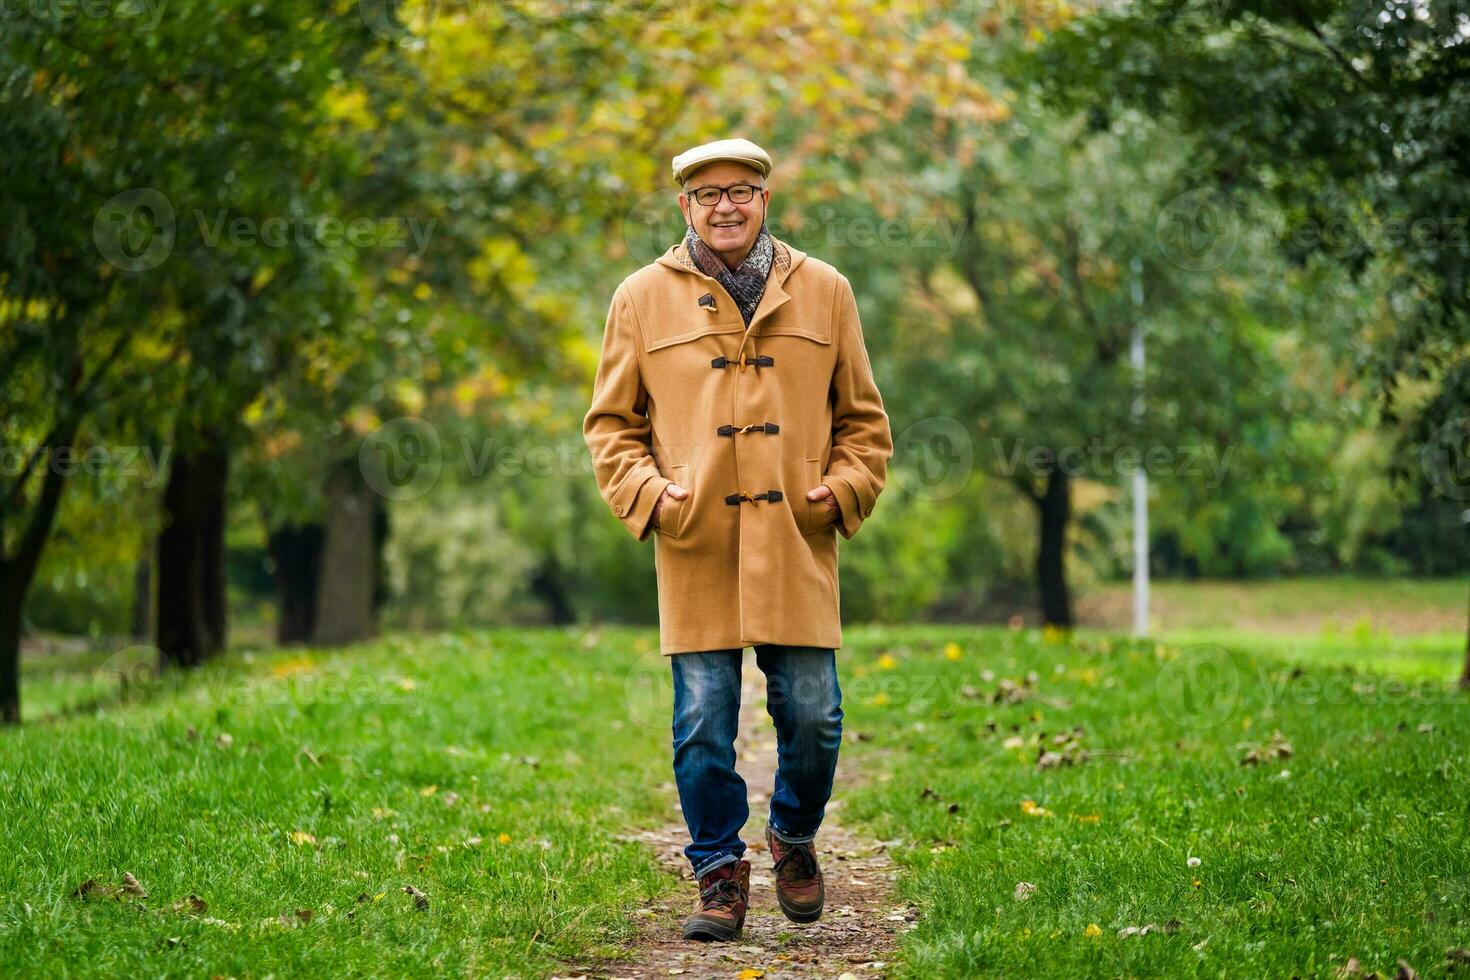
{"points": [[672, 490]]}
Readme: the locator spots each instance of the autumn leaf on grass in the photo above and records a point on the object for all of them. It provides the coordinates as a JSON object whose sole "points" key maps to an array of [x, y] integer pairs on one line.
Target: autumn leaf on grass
{"points": [[751, 973], [131, 886], [192, 904], [420, 900], [92, 888], [302, 837], [1277, 748]]}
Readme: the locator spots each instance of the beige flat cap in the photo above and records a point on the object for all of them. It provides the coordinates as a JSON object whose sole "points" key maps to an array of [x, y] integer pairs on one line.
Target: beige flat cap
{"points": [[738, 150]]}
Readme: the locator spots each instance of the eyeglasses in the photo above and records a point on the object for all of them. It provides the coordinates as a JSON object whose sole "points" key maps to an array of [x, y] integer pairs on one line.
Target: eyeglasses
{"points": [[710, 195]]}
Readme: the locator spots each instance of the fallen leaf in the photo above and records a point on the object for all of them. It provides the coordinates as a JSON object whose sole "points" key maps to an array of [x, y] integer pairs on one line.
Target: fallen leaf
{"points": [[224, 740], [302, 837], [131, 886], [1024, 890], [192, 904]]}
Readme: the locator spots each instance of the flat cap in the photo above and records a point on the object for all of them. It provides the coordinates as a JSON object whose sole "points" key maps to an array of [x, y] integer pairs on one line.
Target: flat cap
{"points": [[737, 150]]}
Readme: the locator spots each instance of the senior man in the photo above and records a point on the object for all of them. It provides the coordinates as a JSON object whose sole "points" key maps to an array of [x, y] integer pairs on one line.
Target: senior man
{"points": [[734, 413]]}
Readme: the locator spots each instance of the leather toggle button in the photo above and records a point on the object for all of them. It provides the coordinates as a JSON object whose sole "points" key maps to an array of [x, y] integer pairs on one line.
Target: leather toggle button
{"points": [[708, 302]]}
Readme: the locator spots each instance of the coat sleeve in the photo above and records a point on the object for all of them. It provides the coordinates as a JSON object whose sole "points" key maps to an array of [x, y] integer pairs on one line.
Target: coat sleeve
{"points": [[862, 443], [616, 428]]}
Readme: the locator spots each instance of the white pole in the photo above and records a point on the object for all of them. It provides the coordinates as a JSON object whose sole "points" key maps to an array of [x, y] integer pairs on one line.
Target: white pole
{"points": [[1140, 478]]}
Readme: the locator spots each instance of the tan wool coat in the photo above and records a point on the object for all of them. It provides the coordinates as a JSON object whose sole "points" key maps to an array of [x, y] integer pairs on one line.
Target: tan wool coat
{"points": [[746, 420]]}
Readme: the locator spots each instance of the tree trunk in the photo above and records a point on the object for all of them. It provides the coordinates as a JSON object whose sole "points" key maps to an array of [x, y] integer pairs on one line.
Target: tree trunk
{"points": [[296, 552], [349, 576], [191, 557], [142, 595], [11, 604], [1465, 675], [1055, 510], [546, 585]]}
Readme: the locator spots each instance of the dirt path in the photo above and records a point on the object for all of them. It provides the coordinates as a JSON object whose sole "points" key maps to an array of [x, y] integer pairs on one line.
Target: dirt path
{"points": [[858, 930]]}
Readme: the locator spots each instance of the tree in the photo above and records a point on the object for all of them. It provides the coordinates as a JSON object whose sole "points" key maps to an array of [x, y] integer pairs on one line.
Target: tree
{"points": [[1355, 117]]}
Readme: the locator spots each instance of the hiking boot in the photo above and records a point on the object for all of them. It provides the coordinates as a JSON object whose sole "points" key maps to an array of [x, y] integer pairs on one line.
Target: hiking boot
{"points": [[724, 895], [799, 888]]}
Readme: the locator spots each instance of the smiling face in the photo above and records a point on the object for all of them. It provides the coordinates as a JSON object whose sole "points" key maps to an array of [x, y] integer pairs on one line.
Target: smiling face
{"points": [[729, 229]]}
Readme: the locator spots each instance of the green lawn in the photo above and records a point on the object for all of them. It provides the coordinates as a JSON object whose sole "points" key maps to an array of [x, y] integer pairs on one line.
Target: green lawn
{"points": [[1356, 844], [490, 771], [494, 772]]}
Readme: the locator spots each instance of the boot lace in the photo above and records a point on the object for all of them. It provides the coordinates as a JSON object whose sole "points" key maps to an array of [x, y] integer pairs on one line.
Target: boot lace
{"points": [[801, 856], [723, 893]]}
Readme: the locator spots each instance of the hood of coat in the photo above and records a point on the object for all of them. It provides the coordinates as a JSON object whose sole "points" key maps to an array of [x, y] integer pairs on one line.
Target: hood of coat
{"points": [[784, 262]]}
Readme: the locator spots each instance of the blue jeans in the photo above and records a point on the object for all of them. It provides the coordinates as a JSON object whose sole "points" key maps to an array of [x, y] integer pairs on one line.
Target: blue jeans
{"points": [[805, 702]]}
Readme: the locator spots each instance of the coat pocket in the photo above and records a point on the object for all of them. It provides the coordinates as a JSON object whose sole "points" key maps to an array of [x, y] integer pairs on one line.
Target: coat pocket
{"points": [[671, 517], [817, 515]]}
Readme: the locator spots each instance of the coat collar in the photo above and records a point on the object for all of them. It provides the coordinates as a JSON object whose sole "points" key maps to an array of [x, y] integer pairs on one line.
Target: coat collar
{"points": [[783, 264]]}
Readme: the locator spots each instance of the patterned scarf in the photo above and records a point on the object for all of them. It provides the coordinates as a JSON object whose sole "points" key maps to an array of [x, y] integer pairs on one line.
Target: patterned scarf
{"points": [[747, 284]]}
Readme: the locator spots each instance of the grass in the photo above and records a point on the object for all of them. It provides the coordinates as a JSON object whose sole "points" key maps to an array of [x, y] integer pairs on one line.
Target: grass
{"points": [[494, 772], [1354, 845], [1330, 606], [491, 771]]}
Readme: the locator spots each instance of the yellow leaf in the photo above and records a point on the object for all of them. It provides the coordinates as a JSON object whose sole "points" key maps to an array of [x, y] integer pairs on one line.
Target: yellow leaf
{"points": [[428, 790], [750, 973], [302, 837]]}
